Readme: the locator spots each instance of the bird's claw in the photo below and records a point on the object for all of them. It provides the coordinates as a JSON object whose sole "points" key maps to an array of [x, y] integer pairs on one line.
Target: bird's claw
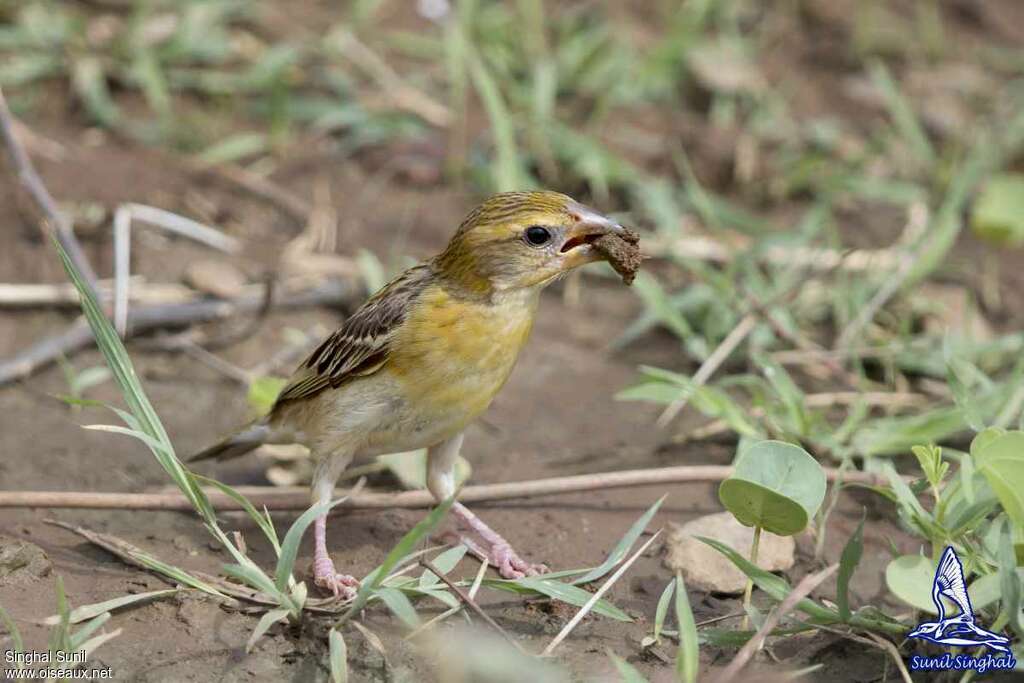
{"points": [[510, 565], [500, 555], [342, 586]]}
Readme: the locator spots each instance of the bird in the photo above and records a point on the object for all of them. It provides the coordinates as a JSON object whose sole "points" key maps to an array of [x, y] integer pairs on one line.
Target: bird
{"points": [[424, 356], [958, 630]]}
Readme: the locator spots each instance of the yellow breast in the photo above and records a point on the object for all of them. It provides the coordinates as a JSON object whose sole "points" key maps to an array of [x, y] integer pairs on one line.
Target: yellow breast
{"points": [[453, 355]]}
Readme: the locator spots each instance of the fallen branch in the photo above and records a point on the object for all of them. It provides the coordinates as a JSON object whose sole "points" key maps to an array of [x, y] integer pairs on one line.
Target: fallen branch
{"points": [[297, 497], [259, 186], [709, 366], [468, 600], [752, 646], [33, 184], [230, 591], [145, 318], [64, 294]]}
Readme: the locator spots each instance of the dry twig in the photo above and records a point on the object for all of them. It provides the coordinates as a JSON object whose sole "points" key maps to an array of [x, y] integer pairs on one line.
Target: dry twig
{"points": [[297, 497], [145, 318], [801, 591], [33, 184], [470, 602]]}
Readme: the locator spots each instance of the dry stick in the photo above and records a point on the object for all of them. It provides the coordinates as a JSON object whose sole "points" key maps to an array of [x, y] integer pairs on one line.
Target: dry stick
{"points": [[564, 633], [403, 95], [802, 590], [813, 258], [145, 318], [64, 294], [470, 602], [124, 218], [453, 610], [875, 641], [264, 188], [917, 221], [33, 184], [710, 364], [297, 497]]}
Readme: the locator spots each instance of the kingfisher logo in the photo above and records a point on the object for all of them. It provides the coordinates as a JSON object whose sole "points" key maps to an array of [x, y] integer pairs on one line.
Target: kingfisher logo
{"points": [[958, 629]]}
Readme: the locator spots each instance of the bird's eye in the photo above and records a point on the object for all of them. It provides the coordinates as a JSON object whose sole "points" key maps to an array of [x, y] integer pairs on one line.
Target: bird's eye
{"points": [[538, 236]]}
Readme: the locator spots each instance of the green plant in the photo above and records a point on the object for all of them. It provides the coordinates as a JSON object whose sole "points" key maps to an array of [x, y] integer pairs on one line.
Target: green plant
{"points": [[976, 509], [775, 486]]}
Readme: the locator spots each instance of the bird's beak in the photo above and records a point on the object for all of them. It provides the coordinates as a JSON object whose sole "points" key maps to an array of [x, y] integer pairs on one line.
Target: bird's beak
{"points": [[579, 238]]}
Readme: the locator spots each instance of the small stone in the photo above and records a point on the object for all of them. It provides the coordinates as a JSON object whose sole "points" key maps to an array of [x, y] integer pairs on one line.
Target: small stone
{"points": [[217, 278], [706, 569], [21, 561]]}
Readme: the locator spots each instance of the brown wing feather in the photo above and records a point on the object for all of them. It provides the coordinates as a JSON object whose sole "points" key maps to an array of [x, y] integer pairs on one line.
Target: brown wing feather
{"points": [[362, 345]]}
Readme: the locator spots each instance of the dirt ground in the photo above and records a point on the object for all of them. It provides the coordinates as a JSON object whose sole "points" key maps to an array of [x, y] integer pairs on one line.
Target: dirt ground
{"points": [[557, 416]]}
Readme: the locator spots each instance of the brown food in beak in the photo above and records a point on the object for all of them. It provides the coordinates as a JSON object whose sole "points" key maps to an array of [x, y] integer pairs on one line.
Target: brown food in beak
{"points": [[622, 250]]}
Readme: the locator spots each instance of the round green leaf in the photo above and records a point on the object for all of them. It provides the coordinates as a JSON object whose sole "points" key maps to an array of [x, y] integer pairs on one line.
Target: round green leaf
{"points": [[909, 577], [1001, 460], [776, 486]]}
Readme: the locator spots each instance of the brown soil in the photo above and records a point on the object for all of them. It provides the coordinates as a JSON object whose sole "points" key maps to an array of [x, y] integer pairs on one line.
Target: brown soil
{"points": [[556, 416]]}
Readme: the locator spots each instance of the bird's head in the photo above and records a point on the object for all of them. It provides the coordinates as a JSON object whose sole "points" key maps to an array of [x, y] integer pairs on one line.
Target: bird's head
{"points": [[522, 240]]}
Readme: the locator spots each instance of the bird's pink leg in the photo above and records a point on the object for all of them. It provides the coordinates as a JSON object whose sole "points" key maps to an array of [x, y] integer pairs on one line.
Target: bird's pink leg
{"points": [[495, 549], [324, 574], [491, 548]]}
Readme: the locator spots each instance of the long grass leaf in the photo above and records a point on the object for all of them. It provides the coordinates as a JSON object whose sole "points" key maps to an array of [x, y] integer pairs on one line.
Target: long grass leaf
{"points": [[80, 614], [688, 657], [370, 584], [338, 657], [264, 624], [848, 562], [621, 548]]}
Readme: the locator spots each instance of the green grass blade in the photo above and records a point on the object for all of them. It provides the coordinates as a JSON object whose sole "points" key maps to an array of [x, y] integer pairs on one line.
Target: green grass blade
{"points": [[627, 672], [80, 614], [338, 657], [290, 545], [131, 388], [556, 590], [264, 624], [662, 609], [262, 520], [622, 548], [83, 634], [847, 565], [399, 605], [688, 658], [777, 587], [370, 584]]}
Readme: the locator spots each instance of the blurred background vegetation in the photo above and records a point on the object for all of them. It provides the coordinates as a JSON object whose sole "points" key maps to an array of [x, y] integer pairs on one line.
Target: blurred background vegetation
{"points": [[831, 192]]}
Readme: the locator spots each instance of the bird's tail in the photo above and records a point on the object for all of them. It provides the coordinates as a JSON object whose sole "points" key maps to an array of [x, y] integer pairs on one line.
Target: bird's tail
{"points": [[246, 439]]}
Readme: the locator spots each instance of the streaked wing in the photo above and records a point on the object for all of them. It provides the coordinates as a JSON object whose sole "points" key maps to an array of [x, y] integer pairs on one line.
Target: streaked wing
{"points": [[950, 576], [362, 345]]}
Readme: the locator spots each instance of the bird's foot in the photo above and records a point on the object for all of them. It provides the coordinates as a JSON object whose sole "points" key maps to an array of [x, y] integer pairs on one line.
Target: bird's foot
{"points": [[342, 586], [501, 556], [492, 548]]}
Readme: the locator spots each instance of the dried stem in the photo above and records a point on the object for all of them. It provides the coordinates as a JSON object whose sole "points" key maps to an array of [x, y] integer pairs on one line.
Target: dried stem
{"points": [[801, 591], [470, 602], [297, 497], [33, 184], [145, 318]]}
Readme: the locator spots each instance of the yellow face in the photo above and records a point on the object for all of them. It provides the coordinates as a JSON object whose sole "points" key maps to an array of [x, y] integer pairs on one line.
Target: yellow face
{"points": [[517, 240]]}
